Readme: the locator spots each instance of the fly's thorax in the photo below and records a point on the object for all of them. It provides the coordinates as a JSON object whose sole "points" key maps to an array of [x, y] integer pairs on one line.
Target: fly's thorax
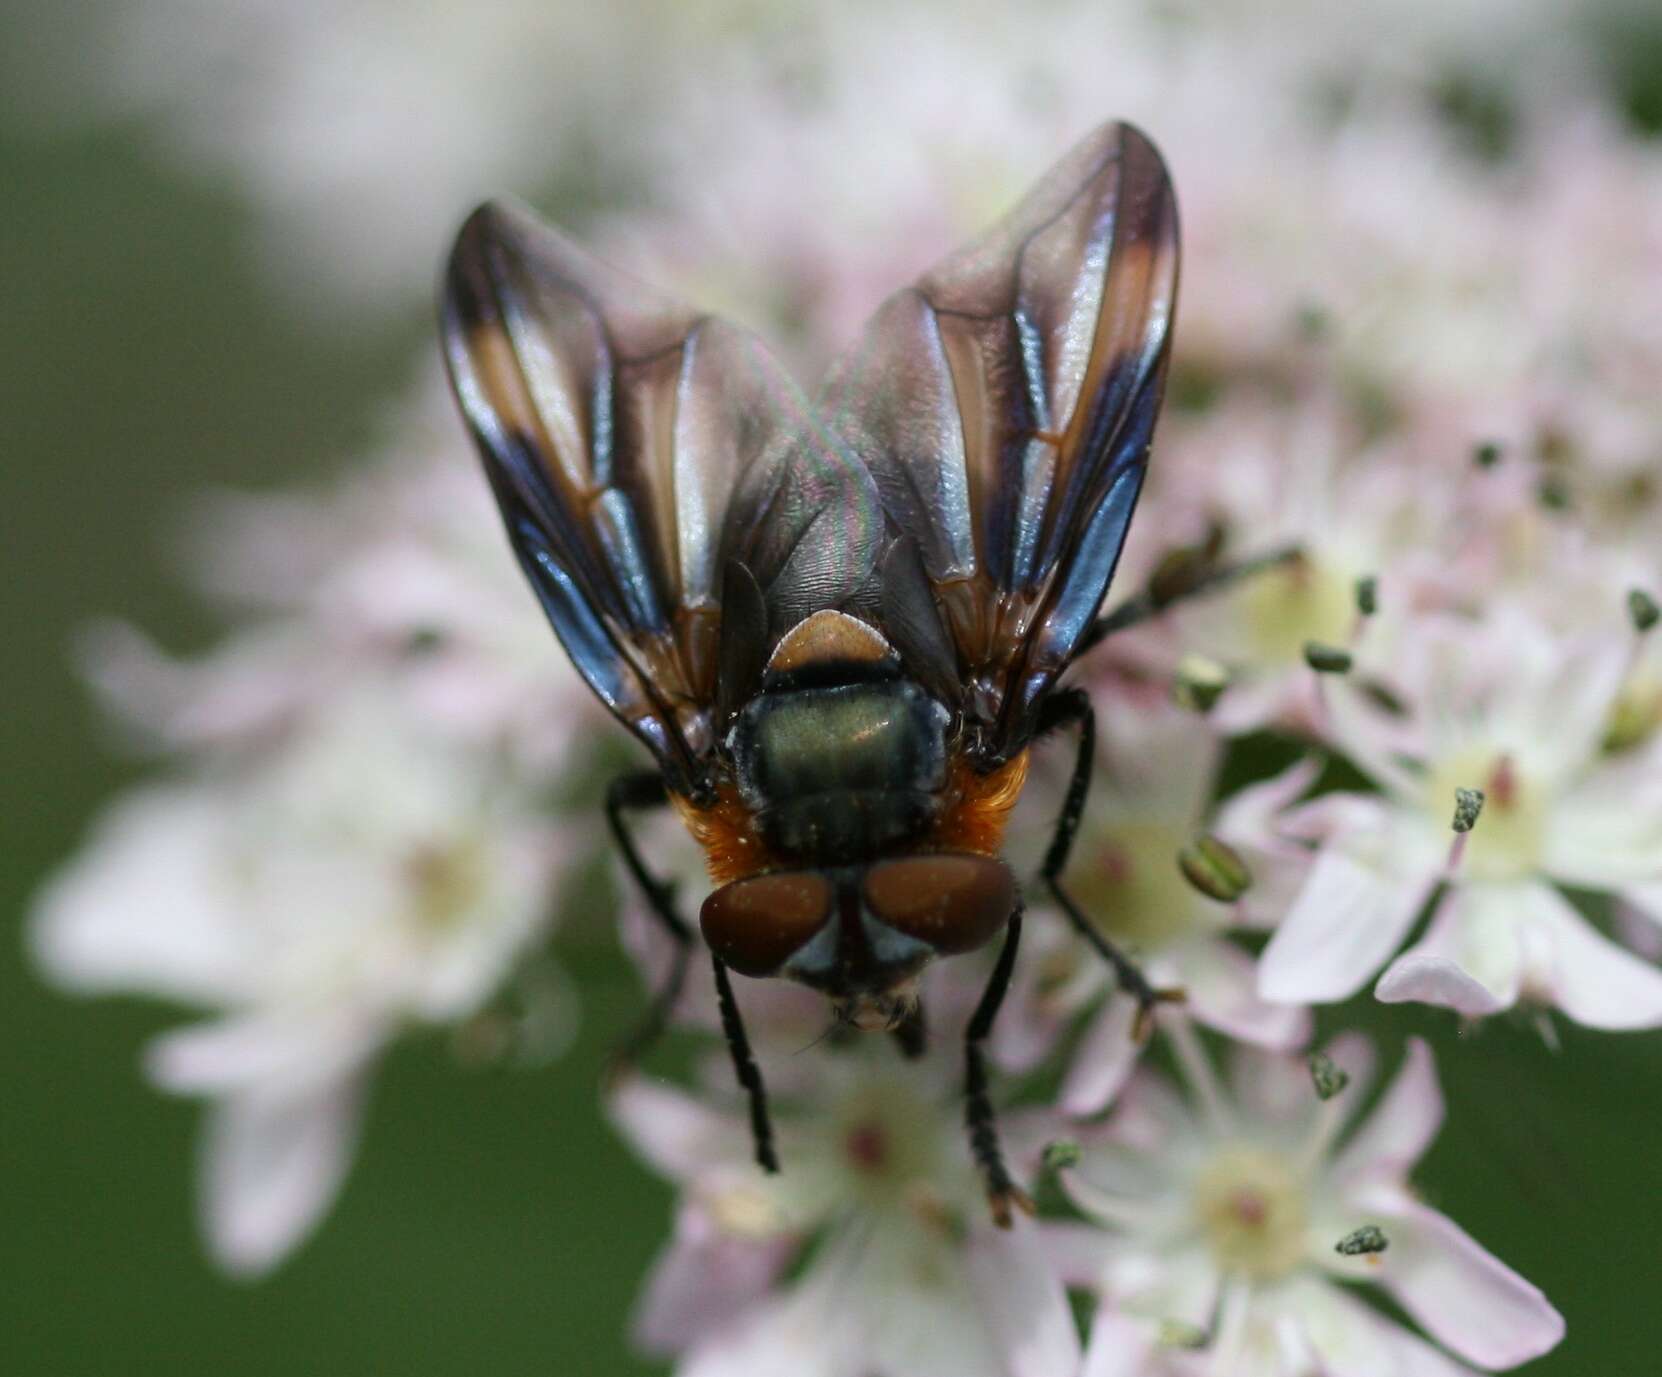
{"points": [[837, 772]]}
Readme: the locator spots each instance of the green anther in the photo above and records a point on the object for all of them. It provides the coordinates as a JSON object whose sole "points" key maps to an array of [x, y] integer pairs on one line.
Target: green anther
{"points": [[1487, 454], [1330, 1078], [1181, 1334], [1215, 868], [1468, 803], [1198, 683], [1326, 659], [1367, 595], [1642, 610], [1061, 1154], [1370, 1238]]}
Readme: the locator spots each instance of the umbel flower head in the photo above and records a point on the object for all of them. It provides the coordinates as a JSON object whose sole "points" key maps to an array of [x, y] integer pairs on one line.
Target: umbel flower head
{"points": [[1233, 1226], [1503, 708], [872, 1252], [362, 879]]}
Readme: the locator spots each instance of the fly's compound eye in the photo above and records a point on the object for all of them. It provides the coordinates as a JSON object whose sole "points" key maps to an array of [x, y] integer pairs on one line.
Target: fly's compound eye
{"points": [[754, 925], [953, 903]]}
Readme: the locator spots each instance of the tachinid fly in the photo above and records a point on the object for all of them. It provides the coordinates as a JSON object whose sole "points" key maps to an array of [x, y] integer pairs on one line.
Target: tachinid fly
{"points": [[838, 625]]}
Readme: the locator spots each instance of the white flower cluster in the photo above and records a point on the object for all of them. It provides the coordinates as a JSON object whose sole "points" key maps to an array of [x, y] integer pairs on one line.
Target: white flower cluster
{"points": [[1418, 755]]}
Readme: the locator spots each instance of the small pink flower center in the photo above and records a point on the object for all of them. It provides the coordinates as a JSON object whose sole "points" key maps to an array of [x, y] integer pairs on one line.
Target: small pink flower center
{"points": [[867, 1146], [1502, 788], [1250, 1208]]}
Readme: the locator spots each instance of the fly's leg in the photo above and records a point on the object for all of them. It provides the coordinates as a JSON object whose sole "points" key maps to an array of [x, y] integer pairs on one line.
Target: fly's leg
{"points": [[745, 1068], [1072, 707], [647, 789], [642, 790], [1003, 1194], [1182, 584]]}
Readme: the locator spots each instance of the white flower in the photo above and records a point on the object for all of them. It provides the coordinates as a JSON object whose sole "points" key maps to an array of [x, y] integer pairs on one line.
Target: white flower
{"points": [[400, 573], [1220, 1223], [1504, 707], [1157, 769], [358, 879], [900, 1270]]}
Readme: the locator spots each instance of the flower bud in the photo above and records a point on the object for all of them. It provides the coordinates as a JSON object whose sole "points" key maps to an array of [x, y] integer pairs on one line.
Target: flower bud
{"points": [[1214, 868]]}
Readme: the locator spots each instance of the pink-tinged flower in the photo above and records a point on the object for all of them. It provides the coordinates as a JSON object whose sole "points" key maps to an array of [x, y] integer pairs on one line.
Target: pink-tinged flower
{"points": [[1503, 707], [356, 880], [872, 1254], [1149, 801], [399, 573], [1271, 480], [1233, 1227]]}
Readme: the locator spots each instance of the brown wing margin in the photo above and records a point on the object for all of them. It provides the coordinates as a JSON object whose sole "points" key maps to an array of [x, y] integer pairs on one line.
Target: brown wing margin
{"points": [[638, 450], [1005, 405]]}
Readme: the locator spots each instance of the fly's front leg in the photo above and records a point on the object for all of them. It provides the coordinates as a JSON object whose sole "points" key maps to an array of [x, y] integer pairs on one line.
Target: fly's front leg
{"points": [[1003, 1193], [745, 1068], [647, 789], [1072, 707], [642, 790]]}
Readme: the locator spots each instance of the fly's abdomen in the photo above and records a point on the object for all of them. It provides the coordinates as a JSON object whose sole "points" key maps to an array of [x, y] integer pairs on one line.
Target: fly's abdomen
{"points": [[840, 772]]}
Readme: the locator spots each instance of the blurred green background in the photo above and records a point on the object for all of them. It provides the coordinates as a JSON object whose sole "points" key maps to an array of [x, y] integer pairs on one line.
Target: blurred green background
{"points": [[492, 1223]]}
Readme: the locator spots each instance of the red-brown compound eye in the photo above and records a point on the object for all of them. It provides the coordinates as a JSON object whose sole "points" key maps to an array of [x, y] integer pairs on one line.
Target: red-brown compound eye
{"points": [[952, 902], [754, 925]]}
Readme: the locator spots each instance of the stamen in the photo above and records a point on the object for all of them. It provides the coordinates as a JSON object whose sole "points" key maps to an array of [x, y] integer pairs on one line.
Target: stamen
{"points": [[1061, 1154], [1370, 1238], [1215, 868], [1468, 805], [1181, 1334], [1196, 1068], [1642, 610], [1367, 595], [1329, 1077], [1233, 1309], [1198, 683], [1327, 659]]}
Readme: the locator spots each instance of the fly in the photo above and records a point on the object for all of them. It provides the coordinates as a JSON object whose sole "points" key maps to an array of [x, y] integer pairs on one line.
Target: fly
{"points": [[837, 626]]}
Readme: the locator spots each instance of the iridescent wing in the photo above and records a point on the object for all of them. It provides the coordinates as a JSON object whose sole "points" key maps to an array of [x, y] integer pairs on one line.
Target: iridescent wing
{"points": [[1004, 405], [656, 469]]}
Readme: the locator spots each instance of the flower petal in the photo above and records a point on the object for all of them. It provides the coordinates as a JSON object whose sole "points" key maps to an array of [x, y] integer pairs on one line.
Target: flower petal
{"points": [[1464, 1297], [1120, 1346], [1103, 1060], [1022, 1301], [1352, 1339], [1471, 958], [1222, 987], [703, 1280], [1588, 976], [271, 1166], [678, 1135], [1396, 1134], [1361, 898], [147, 905]]}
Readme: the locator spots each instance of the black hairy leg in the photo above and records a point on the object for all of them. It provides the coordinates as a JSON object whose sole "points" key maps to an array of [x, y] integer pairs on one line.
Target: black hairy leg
{"points": [[642, 790], [1072, 707], [1003, 1194]]}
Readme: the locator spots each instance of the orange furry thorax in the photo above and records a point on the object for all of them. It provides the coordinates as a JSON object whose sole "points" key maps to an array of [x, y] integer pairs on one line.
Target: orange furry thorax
{"points": [[975, 810]]}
